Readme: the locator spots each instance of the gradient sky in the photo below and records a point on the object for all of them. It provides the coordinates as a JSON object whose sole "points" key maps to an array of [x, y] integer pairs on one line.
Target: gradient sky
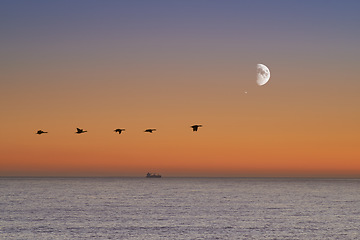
{"points": [[101, 65]]}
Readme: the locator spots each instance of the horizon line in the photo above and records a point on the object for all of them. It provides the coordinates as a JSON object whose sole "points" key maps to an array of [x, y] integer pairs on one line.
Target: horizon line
{"points": [[244, 177]]}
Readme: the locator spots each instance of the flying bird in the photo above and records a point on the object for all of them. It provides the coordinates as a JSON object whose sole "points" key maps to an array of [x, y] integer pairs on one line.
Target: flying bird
{"points": [[195, 127], [119, 130], [150, 130], [40, 132], [79, 130]]}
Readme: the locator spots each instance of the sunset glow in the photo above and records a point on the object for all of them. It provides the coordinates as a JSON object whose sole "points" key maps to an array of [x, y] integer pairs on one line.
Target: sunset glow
{"points": [[167, 65]]}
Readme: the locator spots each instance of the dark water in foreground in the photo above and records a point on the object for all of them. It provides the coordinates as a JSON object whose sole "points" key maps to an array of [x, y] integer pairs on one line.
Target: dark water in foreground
{"points": [[179, 208]]}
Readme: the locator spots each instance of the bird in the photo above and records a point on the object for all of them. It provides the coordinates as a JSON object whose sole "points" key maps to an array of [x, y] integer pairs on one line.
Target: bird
{"points": [[119, 130], [150, 130], [195, 127], [40, 132], [79, 130]]}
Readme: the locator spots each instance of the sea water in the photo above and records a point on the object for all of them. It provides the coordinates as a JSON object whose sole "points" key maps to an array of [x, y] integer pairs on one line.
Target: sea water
{"points": [[179, 208]]}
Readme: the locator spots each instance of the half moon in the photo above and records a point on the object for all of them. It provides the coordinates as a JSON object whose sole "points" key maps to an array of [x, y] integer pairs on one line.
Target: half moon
{"points": [[262, 74]]}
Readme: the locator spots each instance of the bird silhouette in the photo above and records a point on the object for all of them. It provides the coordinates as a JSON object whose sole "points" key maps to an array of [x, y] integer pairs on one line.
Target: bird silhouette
{"points": [[150, 130], [119, 130], [40, 132], [79, 130], [195, 127]]}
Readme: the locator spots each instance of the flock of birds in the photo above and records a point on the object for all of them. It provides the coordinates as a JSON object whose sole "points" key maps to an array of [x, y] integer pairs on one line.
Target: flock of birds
{"points": [[119, 130]]}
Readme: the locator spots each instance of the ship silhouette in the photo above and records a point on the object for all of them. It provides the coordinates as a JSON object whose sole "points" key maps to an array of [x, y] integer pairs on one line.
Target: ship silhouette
{"points": [[153, 175]]}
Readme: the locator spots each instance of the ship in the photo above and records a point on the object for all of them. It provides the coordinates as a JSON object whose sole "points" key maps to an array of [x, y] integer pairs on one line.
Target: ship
{"points": [[153, 175]]}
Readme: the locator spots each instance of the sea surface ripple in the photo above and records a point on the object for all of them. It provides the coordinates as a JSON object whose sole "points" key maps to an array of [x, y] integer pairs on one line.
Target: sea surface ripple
{"points": [[179, 208]]}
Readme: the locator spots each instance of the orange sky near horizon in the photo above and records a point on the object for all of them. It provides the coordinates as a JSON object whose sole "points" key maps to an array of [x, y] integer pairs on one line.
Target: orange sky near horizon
{"points": [[266, 132]]}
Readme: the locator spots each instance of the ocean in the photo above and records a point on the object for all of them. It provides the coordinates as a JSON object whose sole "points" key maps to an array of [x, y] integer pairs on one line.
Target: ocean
{"points": [[179, 208]]}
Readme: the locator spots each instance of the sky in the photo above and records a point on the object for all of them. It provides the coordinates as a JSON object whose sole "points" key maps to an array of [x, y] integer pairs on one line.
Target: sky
{"points": [[102, 65]]}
